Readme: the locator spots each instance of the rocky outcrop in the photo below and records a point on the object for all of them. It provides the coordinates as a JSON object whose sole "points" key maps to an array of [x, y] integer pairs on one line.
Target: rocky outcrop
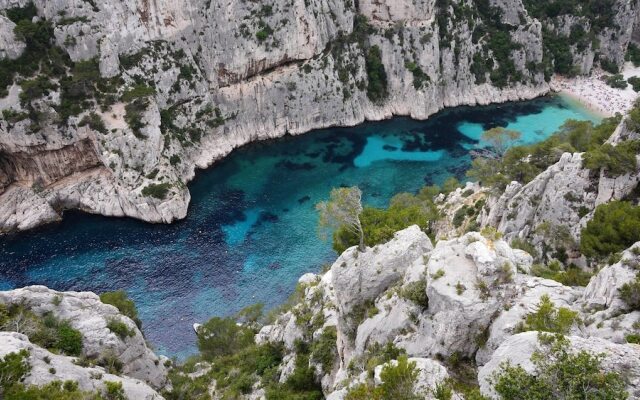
{"points": [[551, 210], [360, 276], [46, 367], [85, 312], [477, 295], [266, 70], [518, 349]]}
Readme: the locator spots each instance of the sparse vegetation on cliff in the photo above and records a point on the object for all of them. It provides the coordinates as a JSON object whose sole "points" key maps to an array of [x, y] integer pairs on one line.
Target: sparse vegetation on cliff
{"points": [[559, 374], [614, 227]]}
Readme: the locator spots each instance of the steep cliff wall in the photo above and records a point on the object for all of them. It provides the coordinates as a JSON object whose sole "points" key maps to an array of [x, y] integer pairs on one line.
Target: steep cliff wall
{"points": [[162, 87]]}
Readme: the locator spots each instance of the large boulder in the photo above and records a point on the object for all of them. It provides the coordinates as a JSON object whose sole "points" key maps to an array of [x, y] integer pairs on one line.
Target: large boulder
{"points": [[527, 296], [360, 276], [469, 280]]}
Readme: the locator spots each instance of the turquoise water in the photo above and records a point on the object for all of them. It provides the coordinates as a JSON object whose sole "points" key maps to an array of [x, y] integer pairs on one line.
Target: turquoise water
{"points": [[251, 228]]}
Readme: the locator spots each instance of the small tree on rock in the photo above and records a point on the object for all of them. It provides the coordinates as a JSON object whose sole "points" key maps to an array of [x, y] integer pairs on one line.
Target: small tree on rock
{"points": [[500, 138], [342, 210]]}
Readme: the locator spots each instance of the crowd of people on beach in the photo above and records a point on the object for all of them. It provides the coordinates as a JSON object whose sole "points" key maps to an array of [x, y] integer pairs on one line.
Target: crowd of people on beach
{"points": [[594, 92]]}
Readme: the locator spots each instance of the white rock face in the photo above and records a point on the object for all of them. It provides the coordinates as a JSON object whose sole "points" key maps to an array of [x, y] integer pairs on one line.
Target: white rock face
{"points": [[393, 318], [361, 276], [469, 279], [86, 313], [25, 209], [47, 367], [621, 358], [603, 289], [529, 292], [10, 47]]}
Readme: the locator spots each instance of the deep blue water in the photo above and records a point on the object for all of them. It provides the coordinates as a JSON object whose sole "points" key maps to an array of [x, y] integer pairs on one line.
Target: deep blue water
{"points": [[251, 228]]}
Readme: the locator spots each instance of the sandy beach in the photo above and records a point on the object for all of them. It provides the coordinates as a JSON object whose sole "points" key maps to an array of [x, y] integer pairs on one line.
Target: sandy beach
{"points": [[594, 93]]}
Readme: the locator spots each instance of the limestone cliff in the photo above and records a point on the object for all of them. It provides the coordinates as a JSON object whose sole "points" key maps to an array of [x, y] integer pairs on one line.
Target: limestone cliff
{"points": [[142, 93], [478, 295]]}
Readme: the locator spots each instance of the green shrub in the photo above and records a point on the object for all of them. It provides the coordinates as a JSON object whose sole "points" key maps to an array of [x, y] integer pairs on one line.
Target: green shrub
{"points": [[120, 300], [110, 362], [632, 338], [221, 337], [376, 74], [523, 163], [379, 225], [378, 354], [35, 88], [548, 318], [609, 66], [616, 81], [615, 160], [56, 390], [633, 54], [138, 91], [634, 81], [13, 367], [615, 226], [521, 244], [571, 276], [69, 340], [420, 78], [134, 116], [324, 350], [114, 391], [95, 122], [559, 374], [398, 382], [120, 328], [156, 190], [51, 333], [301, 384], [630, 293], [417, 293]]}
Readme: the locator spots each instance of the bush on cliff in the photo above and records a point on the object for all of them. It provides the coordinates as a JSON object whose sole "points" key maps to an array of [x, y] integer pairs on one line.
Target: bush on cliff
{"points": [[548, 318], [524, 163], [14, 367], [398, 382], [156, 190], [630, 293], [614, 227], [379, 225], [559, 374], [222, 337], [614, 160], [377, 85], [46, 331], [120, 300]]}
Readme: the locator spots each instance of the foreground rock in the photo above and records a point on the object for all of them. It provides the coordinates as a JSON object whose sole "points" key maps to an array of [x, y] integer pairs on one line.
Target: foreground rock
{"points": [[86, 313], [465, 297], [518, 349], [47, 367]]}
